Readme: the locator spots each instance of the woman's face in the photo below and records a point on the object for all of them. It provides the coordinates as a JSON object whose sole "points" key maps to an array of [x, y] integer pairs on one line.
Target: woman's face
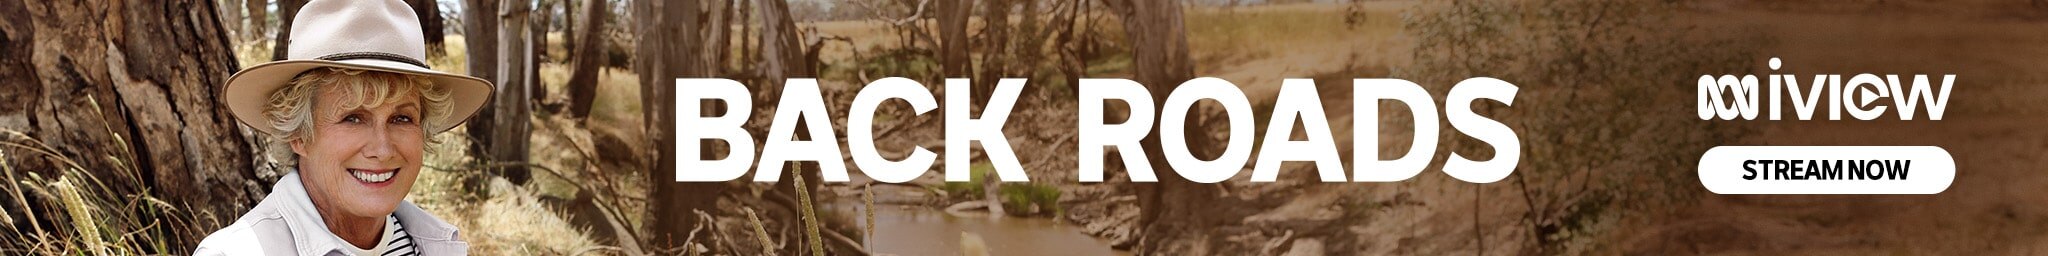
{"points": [[360, 162]]}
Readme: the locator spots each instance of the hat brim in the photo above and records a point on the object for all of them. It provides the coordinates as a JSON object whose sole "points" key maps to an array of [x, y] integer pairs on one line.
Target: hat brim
{"points": [[247, 93]]}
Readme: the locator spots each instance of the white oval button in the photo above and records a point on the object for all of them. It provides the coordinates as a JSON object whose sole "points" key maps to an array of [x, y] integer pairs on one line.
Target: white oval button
{"points": [[1827, 170]]}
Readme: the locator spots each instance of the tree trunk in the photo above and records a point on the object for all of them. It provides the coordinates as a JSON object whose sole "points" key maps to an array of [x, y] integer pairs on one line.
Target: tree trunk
{"points": [[589, 58], [231, 17], [542, 17], [537, 18], [286, 11], [569, 26], [259, 19], [129, 91], [995, 20], [510, 125], [1170, 207], [781, 49], [663, 52], [480, 39], [783, 57], [953, 38], [429, 12], [750, 43], [722, 33]]}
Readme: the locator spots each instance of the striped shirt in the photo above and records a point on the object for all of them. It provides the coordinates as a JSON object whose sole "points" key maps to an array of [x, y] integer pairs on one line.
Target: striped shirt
{"points": [[394, 242]]}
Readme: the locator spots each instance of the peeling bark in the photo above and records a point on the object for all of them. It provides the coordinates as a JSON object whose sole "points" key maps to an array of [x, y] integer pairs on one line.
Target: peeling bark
{"points": [[129, 91], [1174, 205]]}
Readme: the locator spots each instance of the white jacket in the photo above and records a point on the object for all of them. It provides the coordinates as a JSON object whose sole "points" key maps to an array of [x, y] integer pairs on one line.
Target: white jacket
{"points": [[286, 223]]}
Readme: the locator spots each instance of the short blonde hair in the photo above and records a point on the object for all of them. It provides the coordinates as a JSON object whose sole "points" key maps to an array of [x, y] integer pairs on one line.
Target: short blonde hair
{"points": [[291, 107]]}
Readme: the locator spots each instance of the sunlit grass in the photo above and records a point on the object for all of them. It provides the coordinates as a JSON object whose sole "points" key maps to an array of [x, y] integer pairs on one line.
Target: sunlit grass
{"points": [[90, 214]]}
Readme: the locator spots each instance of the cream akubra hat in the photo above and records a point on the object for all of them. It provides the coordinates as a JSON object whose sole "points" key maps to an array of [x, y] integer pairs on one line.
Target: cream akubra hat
{"points": [[375, 35]]}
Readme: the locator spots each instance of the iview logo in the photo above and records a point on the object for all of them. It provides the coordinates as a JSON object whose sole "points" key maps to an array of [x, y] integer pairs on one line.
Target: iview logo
{"points": [[1730, 97]]}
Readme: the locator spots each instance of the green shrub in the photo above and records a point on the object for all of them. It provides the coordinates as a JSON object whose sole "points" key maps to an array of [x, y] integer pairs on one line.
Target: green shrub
{"points": [[1030, 198]]}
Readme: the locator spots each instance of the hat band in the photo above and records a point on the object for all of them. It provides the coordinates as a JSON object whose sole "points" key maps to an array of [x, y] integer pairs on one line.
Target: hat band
{"points": [[374, 56]]}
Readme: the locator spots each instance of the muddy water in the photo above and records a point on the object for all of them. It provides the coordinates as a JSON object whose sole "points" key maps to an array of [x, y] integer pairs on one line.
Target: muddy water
{"points": [[918, 230]]}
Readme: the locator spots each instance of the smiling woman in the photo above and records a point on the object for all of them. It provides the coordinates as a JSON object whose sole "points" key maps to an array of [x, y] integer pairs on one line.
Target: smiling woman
{"points": [[353, 131], [354, 105]]}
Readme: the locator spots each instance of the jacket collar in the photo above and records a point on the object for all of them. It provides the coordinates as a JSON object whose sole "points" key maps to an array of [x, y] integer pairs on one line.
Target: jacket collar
{"points": [[431, 236]]}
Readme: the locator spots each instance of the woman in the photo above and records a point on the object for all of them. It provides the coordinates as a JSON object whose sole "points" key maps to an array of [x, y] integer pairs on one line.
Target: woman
{"points": [[354, 105]]}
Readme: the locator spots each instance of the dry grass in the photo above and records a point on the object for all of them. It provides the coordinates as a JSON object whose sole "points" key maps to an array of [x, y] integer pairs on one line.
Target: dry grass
{"points": [[102, 219], [514, 219], [509, 220], [1602, 146]]}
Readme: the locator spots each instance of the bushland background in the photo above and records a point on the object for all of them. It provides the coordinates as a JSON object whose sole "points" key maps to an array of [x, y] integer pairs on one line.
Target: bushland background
{"points": [[113, 141]]}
